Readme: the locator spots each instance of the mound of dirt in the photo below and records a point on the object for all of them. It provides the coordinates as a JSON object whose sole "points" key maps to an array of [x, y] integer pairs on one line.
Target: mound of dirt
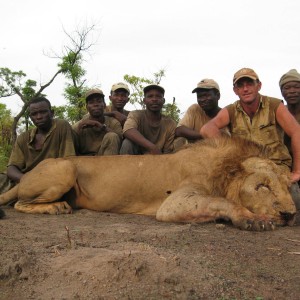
{"points": [[93, 255]]}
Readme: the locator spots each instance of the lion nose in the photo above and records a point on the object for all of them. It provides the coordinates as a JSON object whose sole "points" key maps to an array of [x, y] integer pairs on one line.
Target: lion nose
{"points": [[289, 218]]}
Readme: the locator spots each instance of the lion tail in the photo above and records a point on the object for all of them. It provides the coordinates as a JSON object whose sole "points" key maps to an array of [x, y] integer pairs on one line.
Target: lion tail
{"points": [[9, 196]]}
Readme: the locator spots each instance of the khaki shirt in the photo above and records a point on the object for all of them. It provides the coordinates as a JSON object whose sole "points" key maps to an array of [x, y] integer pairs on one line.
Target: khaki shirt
{"points": [[161, 134], [263, 128], [89, 139], [58, 143], [194, 118]]}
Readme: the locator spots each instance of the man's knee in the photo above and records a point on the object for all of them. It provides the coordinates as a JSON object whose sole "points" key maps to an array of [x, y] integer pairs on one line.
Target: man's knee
{"points": [[295, 193], [110, 144], [129, 148], [5, 183], [179, 142]]}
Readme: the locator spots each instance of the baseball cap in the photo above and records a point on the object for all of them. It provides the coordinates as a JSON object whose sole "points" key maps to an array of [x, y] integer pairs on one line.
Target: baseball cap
{"points": [[154, 87], [245, 72], [93, 92], [291, 75], [120, 85], [206, 84]]}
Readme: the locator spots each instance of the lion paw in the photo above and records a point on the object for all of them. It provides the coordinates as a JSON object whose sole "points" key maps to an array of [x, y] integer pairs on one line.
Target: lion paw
{"points": [[257, 225], [61, 208]]}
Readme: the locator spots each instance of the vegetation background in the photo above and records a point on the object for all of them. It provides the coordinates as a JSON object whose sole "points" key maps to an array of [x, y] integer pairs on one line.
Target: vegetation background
{"points": [[70, 65]]}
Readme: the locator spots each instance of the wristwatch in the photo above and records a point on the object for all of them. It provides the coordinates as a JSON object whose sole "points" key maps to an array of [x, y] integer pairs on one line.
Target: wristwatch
{"points": [[104, 127]]}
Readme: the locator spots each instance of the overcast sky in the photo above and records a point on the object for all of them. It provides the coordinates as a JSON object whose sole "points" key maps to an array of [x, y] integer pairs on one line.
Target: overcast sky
{"points": [[191, 40]]}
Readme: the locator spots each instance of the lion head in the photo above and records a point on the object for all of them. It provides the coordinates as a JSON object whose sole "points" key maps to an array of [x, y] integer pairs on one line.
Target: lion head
{"points": [[263, 187], [245, 175]]}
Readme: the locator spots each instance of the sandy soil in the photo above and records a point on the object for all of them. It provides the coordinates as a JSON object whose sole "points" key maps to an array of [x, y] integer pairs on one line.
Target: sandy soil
{"points": [[93, 255]]}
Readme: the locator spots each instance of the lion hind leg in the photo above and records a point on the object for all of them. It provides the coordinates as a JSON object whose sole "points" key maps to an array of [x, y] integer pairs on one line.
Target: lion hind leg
{"points": [[45, 202], [41, 190], [55, 208], [190, 205], [9, 196]]}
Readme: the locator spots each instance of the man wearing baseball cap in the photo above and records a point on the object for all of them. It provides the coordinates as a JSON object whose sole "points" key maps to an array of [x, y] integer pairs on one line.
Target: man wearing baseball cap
{"points": [[261, 119], [97, 134], [289, 84], [188, 128], [148, 131], [119, 97]]}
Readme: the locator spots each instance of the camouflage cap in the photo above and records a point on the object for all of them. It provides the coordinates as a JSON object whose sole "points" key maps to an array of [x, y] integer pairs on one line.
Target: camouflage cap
{"points": [[153, 87], [245, 72], [206, 84], [93, 92], [120, 86], [291, 75]]}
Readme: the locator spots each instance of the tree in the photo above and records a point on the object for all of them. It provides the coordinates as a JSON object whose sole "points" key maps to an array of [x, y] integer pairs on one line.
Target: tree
{"points": [[12, 83], [6, 121], [137, 84], [80, 42], [15, 83], [172, 110]]}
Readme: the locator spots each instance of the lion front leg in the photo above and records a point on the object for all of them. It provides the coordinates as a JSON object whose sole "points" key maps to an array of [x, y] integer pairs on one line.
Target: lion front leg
{"points": [[188, 204], [55, 208], [41, 189]]}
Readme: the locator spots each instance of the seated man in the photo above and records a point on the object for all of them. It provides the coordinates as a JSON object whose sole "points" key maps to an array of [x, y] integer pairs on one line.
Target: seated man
{"points": [[97, 134], [262, 119], [119, 96], [188, 128], [290, 89], [51, 138], [148, 131]]}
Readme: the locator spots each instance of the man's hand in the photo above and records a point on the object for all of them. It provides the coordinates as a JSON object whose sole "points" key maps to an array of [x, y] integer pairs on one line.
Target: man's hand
{"points": [[295, 176], [91, 123], [117, 115], [154, 151]]}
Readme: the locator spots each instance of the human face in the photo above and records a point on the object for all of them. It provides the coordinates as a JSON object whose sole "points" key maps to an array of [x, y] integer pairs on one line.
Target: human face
{"points": [[247, 89], [291, 92], [119, 98], [208, 99], [95, 106], [41, 115], [154, 100]]}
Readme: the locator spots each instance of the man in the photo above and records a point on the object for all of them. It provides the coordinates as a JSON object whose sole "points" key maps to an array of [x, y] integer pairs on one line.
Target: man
{"points": [[188, 128], [51, 138], [148, 131], [119, 97], [259, 118], [97, 134], [290, 89]]}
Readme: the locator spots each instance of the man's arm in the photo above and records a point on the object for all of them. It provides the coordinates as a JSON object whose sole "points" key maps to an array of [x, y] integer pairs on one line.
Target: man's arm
{"points": [[212, 127], [190, 134], [67, 139], [135, 136], [291, 127], [14, 173], [117, 115], [115, 126]]}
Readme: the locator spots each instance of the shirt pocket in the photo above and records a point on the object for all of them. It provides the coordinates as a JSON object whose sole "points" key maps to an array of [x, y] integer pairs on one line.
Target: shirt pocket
{"points": [[268, 134]]}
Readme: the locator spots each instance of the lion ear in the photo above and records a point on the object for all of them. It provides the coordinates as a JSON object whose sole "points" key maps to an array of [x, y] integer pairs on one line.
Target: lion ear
{"points": [[233, 170]]}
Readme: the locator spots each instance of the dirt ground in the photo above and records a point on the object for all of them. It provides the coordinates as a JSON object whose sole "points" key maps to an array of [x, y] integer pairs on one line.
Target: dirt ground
{"points": [[93, 255]]}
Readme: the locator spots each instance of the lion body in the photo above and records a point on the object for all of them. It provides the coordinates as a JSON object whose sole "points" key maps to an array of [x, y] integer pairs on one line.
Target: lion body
{"points": [[218, 178]]}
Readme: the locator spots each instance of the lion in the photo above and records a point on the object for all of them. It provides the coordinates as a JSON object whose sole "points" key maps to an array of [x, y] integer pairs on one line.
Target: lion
{"points": [[221, 178]]}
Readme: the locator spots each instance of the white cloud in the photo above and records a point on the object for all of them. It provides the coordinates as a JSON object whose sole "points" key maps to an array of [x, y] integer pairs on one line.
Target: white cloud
{"points": [[192, 39]]}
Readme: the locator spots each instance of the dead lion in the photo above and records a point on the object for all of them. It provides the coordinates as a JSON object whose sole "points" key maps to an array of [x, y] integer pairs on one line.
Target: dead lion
{"points": [[217, 178]]}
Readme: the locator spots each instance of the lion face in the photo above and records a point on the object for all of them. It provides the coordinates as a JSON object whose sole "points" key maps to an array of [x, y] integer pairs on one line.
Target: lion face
{"points": [[265, 191]]}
